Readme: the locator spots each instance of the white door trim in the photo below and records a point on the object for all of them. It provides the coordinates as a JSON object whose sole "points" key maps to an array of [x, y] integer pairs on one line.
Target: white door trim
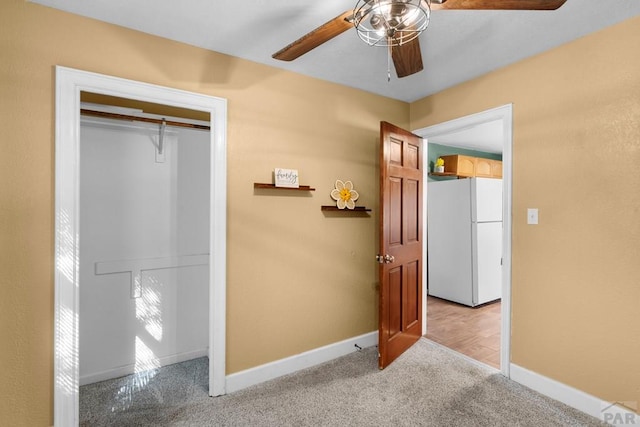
{"points": [[505, 114], [69, 84]]}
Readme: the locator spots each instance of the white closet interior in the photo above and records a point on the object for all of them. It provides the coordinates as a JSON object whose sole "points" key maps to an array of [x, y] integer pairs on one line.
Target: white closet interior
{"points": [[144, 244]]}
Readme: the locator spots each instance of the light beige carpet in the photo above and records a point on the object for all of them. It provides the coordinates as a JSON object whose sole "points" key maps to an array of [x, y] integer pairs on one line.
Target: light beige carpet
{"points": [[427, 386]]}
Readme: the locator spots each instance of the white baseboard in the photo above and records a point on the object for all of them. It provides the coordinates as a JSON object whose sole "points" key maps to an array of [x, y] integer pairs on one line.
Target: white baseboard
{"points": [[121, 371], [610, 412], [289, 365]]}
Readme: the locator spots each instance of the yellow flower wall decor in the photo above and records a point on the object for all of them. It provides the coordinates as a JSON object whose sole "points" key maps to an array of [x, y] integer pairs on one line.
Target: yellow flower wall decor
{"points": [[344, 195]]}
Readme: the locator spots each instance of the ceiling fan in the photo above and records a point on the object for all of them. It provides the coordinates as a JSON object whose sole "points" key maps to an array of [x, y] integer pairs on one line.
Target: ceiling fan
{"points": [[397, 24]]}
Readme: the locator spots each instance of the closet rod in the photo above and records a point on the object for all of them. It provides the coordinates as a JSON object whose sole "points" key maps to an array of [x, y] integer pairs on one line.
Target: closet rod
{"points": [[141, 119]]}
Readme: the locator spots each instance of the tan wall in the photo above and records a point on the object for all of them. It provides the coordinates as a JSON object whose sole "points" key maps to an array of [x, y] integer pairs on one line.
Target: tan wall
{"points": [[576, 286], [297, 280]]}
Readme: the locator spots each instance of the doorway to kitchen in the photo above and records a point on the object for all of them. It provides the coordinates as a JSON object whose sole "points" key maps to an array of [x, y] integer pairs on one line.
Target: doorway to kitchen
{"points": [[450, 313]]}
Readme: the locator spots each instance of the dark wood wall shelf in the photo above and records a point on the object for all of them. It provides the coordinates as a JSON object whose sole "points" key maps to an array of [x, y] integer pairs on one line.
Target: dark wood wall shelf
{"points": [[273, 186], [335, 209]]}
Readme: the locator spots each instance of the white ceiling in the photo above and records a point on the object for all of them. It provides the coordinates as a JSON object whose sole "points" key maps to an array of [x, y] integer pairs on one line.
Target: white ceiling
{"points": [[487, 137], [457, 46]]}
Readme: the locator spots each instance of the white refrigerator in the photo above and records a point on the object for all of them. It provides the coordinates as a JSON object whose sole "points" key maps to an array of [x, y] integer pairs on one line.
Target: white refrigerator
{"points": [[465, 240]]}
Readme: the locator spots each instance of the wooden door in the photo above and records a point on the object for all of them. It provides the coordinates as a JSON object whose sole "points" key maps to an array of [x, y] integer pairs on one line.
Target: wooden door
{"points": [[400, 255]]}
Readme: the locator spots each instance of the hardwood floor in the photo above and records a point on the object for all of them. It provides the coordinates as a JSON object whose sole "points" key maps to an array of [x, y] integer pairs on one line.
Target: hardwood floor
{"points": [[474, 332]]}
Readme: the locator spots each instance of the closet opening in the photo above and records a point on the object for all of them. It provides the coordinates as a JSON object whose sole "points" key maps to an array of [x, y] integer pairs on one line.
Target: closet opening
{"points": [[144, 255], [152, 338]]}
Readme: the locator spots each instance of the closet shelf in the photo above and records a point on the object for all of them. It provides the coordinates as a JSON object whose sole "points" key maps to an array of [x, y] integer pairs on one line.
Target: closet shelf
{"points": [[273, 186], [117, 116]]}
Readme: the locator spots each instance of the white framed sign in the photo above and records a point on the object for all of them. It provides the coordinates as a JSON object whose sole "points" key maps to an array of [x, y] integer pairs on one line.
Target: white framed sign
{"points": [[286, 178]]}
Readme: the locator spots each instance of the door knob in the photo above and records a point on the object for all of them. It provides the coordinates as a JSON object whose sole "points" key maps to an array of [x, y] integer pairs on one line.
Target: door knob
{"points": [[386, 259]]}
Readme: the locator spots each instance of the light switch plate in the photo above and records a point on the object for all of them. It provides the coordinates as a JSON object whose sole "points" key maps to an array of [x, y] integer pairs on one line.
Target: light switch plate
{"points": [[532, 216]]}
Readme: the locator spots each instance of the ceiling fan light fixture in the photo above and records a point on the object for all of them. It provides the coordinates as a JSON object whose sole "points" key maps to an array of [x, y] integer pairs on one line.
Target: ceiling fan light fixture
{"points": [[390, 22]]}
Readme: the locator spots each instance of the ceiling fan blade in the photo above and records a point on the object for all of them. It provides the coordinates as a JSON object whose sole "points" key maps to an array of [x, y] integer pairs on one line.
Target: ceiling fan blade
{"points": [[499, 4], [315, 38], [407, 58]]}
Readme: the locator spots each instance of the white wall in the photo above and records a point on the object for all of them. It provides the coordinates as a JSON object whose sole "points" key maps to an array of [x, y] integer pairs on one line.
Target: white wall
{"points": [[133, 209]]}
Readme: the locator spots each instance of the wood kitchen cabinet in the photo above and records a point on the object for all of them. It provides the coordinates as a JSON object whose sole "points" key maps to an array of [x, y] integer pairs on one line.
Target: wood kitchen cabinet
{"points": [[468, 166], [496, 169], [464, 166], [483, 167]]}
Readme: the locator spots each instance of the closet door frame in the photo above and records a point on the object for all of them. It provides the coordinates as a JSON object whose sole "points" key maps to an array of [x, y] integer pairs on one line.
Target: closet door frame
{"points": [[69, 85]]}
